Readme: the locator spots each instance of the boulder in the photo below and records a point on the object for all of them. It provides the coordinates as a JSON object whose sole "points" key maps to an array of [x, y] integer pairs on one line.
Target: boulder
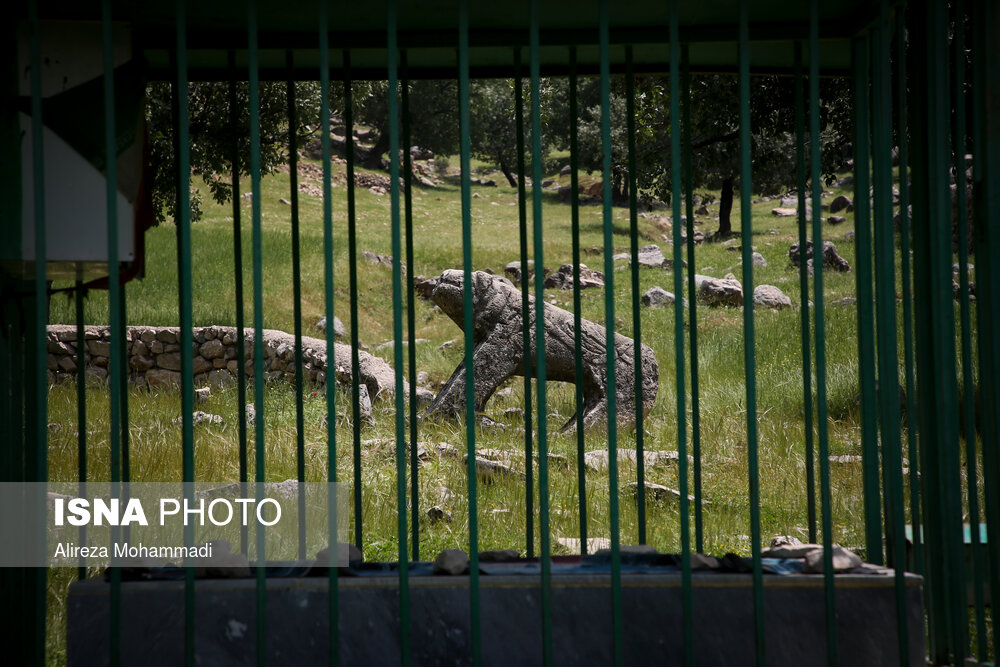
{"points": [[769, 296], [720, 292], [563, 278]]}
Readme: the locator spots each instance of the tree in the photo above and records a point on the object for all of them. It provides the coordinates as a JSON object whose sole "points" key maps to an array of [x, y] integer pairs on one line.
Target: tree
{"points": [[212, 135]]}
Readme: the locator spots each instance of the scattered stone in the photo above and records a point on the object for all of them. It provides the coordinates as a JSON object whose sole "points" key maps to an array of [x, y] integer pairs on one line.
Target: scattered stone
{"points": [[798, 550], [423, 377], [843, 561], [784, 212], [594, 544], [563, 278], [513, 271], [203, 394], [424, 396], [381, 260], [724, 292], [284, 201], [451, 561], [785, 541], [769, 296], [654, 492], [159, 378], [846, 459], [339, 331], [846, 301], [702, 210], [199, 417], [438, 513], [489, 471], [841, 203], [597, 459], [831, 259], [656, 297], [448, 451], [836, 219], [651, 256], [565, 171]]}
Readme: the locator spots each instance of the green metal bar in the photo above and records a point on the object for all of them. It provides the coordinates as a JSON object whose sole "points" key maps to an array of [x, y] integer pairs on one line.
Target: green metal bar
{"points": [[183, 223], [749, 360], [475, 644], [37, 415], [633, 191], [81, 411], [522, 216], [352, 260], [826, 504], [986, 183], [574, 160], [258, 324], [333, 585], [617, 622], [543, 445], [968, 385], [411, 307], [682, 462], [888, 357], [397, 328], [293, 196], [699, 536], [807, 404], [902, 140], [241, 374], [866, 300]]}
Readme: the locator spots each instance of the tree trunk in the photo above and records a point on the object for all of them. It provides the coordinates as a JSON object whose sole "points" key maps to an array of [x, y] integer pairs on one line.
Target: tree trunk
{"points": [[374, 158], [499, 353], [511, 179], [726, 208]]}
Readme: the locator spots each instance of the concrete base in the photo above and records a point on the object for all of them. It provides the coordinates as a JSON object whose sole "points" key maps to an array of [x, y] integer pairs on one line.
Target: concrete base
{"points": [[297, 621]]}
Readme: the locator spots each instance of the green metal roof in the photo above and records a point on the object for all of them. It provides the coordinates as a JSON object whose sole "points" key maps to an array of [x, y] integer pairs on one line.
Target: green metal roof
{"points": [[428, 29]]}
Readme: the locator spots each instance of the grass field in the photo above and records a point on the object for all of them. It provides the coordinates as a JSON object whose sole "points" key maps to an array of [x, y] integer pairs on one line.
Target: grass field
{"points": [[156, 441]]}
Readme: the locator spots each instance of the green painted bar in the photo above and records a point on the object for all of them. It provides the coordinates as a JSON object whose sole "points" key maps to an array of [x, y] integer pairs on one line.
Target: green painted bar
{"points": [[826, 503], [476, 640], [888, 356], [397, 329], [699, 537], [293, 196], [333, 584], [633, 216], [37, 408], [866, 300], [682, 462], [241, 371], [807, 402], [411, 325], [352, 260], [749, 361], [522, 217], [81, 409], [960, 141], [986, 177], [904, 245], [258, 324], [540, 375], [574, 188], [617, 623]]}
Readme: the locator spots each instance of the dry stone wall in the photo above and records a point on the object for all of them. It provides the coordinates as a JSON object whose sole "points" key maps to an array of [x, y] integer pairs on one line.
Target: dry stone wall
{"points": [[154, 357]]}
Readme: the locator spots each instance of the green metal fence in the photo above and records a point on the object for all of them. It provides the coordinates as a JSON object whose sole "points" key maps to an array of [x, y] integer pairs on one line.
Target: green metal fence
{"points": [[924, 83]]}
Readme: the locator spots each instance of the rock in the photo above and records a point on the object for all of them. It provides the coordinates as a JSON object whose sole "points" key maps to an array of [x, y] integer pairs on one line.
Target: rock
{"points": [[451, 561], [797, 550], [784, 212], [846, 301], [784, 541], [424, 396], [339, 331], [597, 459], [594, 544], [565, 171], [831, 258], [563, 278], [758, 259], [380, 260], [488, 470], [548, 182], [654, 492], [438, 513], [220, 377], [159, 378], [346, 553], [202, 395], [499, 351], [769, 296], [724, 292], [846, 459], [841, 203], [843, 561], [702, 210], [651, 256], [656, 297], [141, 363], [836, 219], [199, 417]]}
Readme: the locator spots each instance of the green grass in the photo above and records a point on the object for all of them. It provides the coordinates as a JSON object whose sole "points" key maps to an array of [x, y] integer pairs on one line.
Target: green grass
{"points": [[156, 441]]}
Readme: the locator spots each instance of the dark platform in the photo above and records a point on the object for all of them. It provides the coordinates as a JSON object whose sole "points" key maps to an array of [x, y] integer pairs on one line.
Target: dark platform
{"points": [[297, 620]]}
